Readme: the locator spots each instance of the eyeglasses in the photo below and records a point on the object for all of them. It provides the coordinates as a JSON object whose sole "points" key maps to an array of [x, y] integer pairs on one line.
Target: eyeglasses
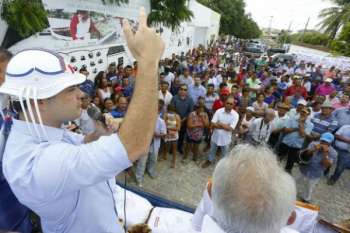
{"points": [[229, 103], [183, 89], [45, 62]]}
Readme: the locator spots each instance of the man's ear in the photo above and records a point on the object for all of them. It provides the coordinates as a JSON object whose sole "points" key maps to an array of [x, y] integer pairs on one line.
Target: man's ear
{"points": [[292, 218]]}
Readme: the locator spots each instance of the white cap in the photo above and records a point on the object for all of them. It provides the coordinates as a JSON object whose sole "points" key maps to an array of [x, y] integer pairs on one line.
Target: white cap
{"points": [[302, 102], [328, 80], [41, 73]]}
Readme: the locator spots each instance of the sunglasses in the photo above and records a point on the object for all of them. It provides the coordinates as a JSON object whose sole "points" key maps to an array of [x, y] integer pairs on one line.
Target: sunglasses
{"points": [[229, 103], [183, 89], [53, 65]]}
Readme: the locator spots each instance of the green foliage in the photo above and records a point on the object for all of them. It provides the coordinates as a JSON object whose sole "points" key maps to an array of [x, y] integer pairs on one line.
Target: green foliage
{"points": [[335, 17], [284, 38], [25, 17], [233, 21], [169, 13], [342, 45], [311, 37]]}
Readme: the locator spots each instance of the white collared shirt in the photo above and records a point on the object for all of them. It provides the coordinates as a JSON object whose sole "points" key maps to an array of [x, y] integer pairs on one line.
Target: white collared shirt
{"points": [[222, 137], [166, 98], [64, 181], [259, 131]]}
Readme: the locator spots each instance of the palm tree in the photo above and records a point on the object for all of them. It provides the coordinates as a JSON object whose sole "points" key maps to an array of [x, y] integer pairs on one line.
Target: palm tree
{"points": [[335, 17], [169, 13]]}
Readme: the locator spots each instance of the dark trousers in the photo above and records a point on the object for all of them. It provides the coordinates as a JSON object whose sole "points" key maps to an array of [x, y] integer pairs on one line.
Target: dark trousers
{"points": [[182, 135], [292, 155]]}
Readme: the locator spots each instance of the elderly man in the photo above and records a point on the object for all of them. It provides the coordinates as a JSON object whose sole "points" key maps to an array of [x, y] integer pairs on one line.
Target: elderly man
{"points": [[234, 206], [317, 158], [223, 123], [261, 128]]}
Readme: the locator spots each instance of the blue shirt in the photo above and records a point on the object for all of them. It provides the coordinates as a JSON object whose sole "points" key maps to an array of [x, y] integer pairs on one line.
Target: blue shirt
{"points": [[323, 125], [294, 139], [117, 114], [195, 92], [345, 132], [314, 169], [342, 115], [64, 181]]}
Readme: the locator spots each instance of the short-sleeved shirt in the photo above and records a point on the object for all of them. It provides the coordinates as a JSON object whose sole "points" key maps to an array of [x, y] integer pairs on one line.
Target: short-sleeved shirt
{"points": [[160, 129], [197, 91], [342, 115], [183, 106], [314, 169], [345, 132], [222, 137], [67, 183], [323, 125], [294, 139], [209, 100]]}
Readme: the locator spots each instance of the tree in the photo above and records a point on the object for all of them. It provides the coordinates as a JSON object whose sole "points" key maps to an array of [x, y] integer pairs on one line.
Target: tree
{"points": [[25, 17], [233, 21], [335, 17], [169, 13]]}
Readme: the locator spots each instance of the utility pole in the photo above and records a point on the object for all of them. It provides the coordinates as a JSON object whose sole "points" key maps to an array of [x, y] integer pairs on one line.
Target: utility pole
{"points": [[307, 23]]}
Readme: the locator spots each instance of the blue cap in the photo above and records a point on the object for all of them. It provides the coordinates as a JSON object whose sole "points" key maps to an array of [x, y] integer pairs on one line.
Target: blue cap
{"points": [[327, 137]]}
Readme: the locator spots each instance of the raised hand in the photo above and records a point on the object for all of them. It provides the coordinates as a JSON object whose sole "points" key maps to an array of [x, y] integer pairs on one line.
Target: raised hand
{"points": [[145, 44]]}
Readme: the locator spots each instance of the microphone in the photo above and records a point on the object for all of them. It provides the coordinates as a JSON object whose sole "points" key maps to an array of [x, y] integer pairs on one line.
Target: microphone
{"points": [[96, 114]]}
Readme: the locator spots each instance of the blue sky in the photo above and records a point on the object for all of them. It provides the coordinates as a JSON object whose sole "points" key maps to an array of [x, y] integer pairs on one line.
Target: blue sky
{"points": [[286, 11]]}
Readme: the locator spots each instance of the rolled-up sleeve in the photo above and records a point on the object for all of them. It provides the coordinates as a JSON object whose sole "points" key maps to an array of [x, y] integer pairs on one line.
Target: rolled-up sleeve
{"points": [[60, 168]]}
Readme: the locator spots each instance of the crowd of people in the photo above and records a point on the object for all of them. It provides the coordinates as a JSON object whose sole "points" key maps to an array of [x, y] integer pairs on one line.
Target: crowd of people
{"points": [[243, 109], [220, 97]]}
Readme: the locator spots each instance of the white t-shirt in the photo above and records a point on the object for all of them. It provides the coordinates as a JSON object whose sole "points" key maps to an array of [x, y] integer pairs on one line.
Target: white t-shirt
{"points": [[259, 131], [86, 124], [222, 137], [166, 98]]}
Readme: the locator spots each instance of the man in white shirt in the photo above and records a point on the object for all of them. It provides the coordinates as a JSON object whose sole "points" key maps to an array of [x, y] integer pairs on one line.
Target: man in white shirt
{"points": [[164, 94], [85, 122], [261, 128], [223, 123], [236, 206]]}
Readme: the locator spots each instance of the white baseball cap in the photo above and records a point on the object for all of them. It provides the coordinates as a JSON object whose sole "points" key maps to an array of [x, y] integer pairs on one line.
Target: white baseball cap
{"points": [[302, 102], [328, 80], [42, 73]]}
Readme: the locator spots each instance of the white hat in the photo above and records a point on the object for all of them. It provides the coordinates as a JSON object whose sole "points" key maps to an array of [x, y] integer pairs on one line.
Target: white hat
{"points": [[40, 73], [37, 74], [328, 80], [302, 102]]}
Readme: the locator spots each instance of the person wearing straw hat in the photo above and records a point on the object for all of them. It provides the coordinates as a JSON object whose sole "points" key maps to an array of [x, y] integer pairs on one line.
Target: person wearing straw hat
{"points": [[65, 178]]}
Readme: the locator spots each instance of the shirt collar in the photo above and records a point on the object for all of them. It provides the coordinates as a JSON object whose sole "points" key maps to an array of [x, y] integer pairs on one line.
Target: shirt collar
{"points": [[210, 226], [54, 134]]}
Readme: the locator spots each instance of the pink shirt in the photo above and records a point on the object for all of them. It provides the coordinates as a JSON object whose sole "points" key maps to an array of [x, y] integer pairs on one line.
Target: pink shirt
{"points": [[324, 90], [338, 104]]}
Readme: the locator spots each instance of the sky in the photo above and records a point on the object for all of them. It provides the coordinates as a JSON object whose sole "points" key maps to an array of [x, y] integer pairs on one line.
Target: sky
{"points": [[285, 12]]}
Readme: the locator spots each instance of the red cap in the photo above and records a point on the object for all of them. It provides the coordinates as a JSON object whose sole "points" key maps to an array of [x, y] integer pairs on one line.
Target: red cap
{"points": [[224, 91], [118, 89]]}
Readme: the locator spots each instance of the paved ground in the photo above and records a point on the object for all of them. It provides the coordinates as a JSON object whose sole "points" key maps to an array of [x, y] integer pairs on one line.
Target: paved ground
{"points": [[186, 183]]}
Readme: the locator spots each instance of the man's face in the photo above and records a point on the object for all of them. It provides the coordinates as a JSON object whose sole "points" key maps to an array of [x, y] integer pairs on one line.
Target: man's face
{"points": [[186, 73], [229, 103], [85, 101], [2, 71], [65, 106], [326, 111], [128, 71], [344, 99], [109, 105], [122, 104], [164, 87], [269, 116], [183, 91], [210, 90], [197, 81], [125, 81]]}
